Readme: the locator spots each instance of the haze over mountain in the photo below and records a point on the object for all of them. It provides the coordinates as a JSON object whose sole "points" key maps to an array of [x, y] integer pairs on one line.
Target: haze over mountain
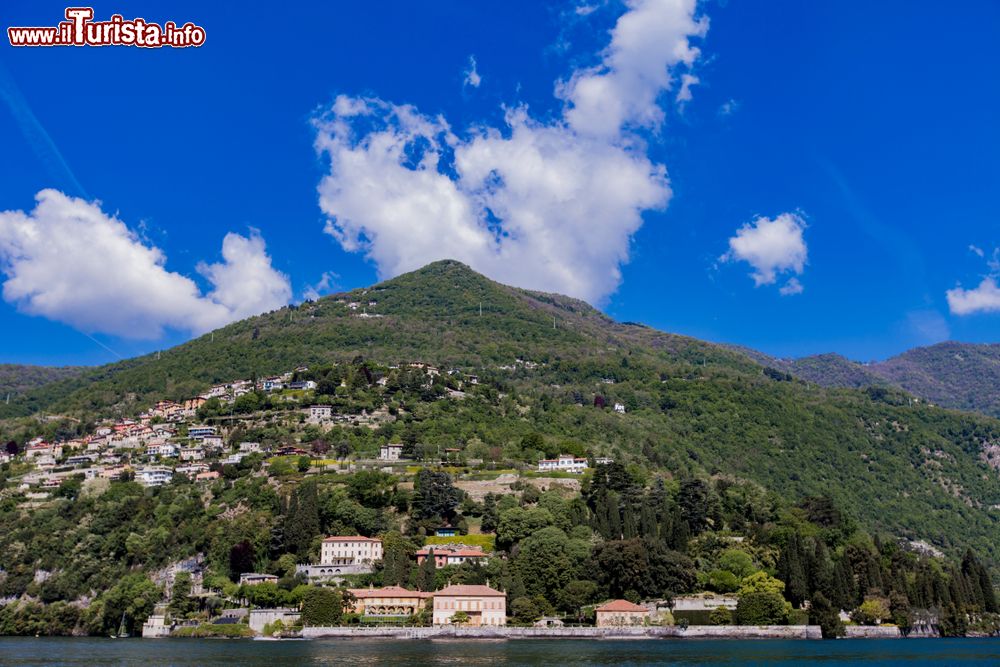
{"points": [[963, 376], [905, 469]]}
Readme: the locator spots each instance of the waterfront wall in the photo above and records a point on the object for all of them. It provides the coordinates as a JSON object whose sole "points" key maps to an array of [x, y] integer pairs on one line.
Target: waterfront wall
{"points": [[871, 632], [509, 632]]}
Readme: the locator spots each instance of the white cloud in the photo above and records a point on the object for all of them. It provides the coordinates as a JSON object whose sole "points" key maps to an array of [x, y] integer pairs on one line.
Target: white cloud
{"points": [[472, 77], [982, 299], [69, 261], [790, 288], [327, 283], [728, 108], [684, 94], [547, 205], [648, 42], [771, 248], [985, 298], [245, 282]]}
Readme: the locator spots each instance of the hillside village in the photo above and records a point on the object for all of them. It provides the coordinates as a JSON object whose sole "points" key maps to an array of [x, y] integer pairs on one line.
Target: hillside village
{"points": [[174, 438]]}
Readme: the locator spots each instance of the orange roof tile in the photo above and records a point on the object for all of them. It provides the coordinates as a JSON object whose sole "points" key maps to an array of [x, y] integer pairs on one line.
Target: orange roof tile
{"points": [[351, 538], [388, 591], [621, 605], [468, 590]]}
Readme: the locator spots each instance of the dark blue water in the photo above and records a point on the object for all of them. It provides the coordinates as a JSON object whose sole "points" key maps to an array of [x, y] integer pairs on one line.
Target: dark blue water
{"points": [[360, 652]]}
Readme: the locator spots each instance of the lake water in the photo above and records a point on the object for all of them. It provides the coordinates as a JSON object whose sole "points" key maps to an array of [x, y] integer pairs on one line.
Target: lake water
{"points": [[361, 652]]}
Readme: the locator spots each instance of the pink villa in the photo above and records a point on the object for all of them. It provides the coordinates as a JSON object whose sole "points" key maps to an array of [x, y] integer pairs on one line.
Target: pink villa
{"points": [[482, 604]]}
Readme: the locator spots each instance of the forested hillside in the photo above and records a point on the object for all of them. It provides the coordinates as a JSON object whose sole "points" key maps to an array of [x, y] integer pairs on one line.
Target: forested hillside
{"points": [[19, 378], [911, 470], [962, 376]]}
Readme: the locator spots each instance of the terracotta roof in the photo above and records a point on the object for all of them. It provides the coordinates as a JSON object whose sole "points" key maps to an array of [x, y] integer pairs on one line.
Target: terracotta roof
{"points": [[388, 591], [621, 605], [351, 538], [448, 551], [466, 590]]}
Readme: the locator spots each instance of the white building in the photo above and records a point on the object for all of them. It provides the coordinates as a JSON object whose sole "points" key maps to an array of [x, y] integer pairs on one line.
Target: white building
{"points": [[250, 447], [391, 452], [199, 432], [318, 413], [153, 475], [165, 449], [350, 549], [192, 454], [234, 459], [620, 408], [212, 441], [565, 463]]}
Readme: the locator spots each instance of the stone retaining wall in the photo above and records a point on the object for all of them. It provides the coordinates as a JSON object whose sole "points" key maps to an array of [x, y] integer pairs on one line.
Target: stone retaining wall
{"points": [[871, 632], [508, 632]]}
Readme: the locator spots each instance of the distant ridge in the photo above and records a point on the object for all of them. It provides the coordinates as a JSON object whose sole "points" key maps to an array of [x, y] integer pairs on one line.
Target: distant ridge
{"points": [[962, 376]]}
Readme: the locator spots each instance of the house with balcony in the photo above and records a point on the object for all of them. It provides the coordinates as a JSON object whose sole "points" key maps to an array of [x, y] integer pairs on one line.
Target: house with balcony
{"points": [[565, 463]]}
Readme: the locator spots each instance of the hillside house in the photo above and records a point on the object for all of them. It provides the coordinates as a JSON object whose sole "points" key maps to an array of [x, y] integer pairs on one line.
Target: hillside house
{"points": [[319, 413], [565, 463], [150, 476], [199, 432], [450, 555], [191, 454], [164, 450], [390, 452], [348, 549]]}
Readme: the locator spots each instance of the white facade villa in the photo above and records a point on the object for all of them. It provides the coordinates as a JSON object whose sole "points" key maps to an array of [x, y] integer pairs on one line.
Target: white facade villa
{"points": [[318, 413], [565, 463], [390, 452], [350, 549], [153, 475]]}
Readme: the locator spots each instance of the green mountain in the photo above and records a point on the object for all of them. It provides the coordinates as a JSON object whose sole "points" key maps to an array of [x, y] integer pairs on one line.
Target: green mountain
{"points": [[903, 469], [963, 376], [19, 378]]}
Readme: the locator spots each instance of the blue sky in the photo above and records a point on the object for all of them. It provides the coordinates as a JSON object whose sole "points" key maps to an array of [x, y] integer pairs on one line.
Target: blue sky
{"points": [[826, 180]]}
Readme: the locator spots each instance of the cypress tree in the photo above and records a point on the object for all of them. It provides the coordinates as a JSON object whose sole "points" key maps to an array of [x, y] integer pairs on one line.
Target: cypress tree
{"points": [[792, 571], [427, 573]]}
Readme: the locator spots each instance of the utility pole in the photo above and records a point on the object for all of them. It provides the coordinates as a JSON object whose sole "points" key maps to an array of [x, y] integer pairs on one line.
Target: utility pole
{"points": [[480, 309]]}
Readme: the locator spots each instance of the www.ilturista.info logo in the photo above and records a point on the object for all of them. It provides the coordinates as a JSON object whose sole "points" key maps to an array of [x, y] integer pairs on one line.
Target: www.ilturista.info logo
{"points": [[79, 29]]}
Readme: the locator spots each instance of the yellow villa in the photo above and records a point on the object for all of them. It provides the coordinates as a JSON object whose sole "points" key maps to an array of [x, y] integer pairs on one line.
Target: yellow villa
{"points": [[388, 601]]}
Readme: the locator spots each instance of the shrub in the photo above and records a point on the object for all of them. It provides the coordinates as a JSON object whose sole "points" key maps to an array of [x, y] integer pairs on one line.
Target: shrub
{"points": [[721, 616]]}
